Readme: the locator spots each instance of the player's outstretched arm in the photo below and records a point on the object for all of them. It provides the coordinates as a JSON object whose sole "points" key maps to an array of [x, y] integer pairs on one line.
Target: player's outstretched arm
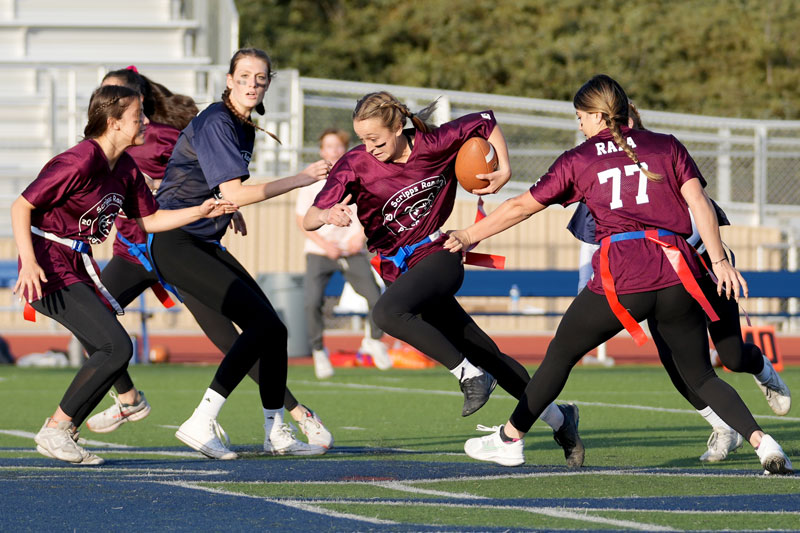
{"points": [[510, 213]]}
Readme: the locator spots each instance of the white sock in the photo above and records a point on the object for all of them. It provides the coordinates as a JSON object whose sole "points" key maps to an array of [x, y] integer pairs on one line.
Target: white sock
{"points": [[765, 373], [211, 404], [713, 418], [466, 370], [552, 416], [272, 418]]}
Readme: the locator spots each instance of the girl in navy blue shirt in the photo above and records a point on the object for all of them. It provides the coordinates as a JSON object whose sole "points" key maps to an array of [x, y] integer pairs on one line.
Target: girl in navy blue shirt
{"points": [[211, 159]]}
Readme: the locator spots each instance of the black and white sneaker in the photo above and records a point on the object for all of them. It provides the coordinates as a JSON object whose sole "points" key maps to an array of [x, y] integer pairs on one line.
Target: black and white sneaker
{"points": [[567, 436], [476, 392]]}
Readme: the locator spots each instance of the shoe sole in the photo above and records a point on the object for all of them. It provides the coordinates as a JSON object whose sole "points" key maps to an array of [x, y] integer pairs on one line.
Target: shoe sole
{"points": [[491, 390], [298, 452], [504, 461], [82, 462], [577, 456], [135, 417], [197, 446], [777, 466]]}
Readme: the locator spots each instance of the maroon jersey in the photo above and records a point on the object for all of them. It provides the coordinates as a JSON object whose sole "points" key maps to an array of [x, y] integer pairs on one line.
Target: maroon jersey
{"points": [[399, 204], [152, 158], [78, 197], [622, 199]]}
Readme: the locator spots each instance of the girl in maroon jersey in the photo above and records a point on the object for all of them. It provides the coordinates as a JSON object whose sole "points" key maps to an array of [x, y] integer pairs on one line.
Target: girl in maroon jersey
{"points": [[726, 333], [639, 187], [71, 205], [403, 183], [130, 272]]}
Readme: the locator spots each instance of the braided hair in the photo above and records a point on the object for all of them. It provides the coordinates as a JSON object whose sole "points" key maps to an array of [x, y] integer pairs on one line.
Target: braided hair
{"points": [[109, 101], [226, 99], [392, 112], [603, 95]]}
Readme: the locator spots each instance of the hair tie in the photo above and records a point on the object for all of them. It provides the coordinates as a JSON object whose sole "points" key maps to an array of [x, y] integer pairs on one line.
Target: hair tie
{"points": [[638, 164], [133, 68]]}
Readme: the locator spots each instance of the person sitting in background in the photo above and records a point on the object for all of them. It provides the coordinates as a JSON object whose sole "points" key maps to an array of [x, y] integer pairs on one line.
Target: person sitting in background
{"points": [[333, 249]]}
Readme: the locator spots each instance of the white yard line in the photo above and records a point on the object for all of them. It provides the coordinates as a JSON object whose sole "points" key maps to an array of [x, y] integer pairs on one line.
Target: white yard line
{"points": [[505, 396], [296, 504], [29, 435]]}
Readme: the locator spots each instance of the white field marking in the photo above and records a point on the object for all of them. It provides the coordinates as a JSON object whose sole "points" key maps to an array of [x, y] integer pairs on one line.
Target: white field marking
{"points": [[126, 450], [530, 475], [506, 396], [166, 426], [402, 487], [554, 512], [133, 472], [303, 506], [353, 428], [668, 410], [29, 435]]}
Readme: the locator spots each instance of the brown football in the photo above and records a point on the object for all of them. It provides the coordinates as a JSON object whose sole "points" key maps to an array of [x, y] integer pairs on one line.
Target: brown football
{"points": [[476, 156]]}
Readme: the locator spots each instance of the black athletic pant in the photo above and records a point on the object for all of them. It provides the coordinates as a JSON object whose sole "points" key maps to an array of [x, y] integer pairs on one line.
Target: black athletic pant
{"points": [[223, 333], [79, 309], [126, 280], [589, 322], [726, 333], [214, 277], [420, 308]]}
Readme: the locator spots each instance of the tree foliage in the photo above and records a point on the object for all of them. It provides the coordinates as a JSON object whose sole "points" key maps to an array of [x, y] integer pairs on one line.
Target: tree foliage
{"points": [[735, 58]]}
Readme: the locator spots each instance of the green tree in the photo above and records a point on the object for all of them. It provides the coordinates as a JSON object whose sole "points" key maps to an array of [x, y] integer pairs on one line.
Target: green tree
{"points": [[716, 57]]}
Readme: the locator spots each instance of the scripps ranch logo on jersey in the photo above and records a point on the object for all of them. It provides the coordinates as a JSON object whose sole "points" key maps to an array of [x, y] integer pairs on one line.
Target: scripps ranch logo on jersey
{"points": [[409, 205], [246, 156], [95, 224]]}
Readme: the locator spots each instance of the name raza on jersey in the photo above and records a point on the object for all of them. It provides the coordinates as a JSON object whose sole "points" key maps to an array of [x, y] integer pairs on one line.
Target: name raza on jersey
{"points": [[610, 147]]}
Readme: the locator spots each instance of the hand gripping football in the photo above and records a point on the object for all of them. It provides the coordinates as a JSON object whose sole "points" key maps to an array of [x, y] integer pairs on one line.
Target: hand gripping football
{"points": [[476, 156]]}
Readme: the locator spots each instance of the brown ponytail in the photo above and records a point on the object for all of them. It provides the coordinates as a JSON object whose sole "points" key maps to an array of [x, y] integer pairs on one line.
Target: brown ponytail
{"points": [[392, 112], [604, 95]]}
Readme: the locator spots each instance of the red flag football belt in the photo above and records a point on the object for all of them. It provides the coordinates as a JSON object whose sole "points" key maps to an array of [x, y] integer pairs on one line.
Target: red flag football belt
{"points": [[678, 263]]}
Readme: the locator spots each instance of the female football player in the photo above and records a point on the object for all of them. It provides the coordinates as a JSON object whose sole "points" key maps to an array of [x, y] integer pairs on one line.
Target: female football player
{"points": [[639, 187], [210, 160], [403, 184], [71, 205]]}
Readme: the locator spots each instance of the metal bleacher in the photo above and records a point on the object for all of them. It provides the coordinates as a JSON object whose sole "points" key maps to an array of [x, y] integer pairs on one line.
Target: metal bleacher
{"points": [[56, 52]]}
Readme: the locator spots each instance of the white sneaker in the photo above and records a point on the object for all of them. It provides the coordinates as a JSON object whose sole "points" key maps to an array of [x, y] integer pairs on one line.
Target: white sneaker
{"points": [[119, 413], [281, 441], [721, 442], [492, 448], [777, 393], [772, 457], [60, 443], [315, 432], [378, 351], [205, 435], [322, 364]]}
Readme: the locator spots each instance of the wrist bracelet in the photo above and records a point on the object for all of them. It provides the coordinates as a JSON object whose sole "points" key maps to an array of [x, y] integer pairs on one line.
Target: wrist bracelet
{"points": [[720, 261]]}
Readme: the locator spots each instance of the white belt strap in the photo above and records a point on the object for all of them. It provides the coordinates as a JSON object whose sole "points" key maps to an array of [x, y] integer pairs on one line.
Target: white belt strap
{"points": [[82, 248]]}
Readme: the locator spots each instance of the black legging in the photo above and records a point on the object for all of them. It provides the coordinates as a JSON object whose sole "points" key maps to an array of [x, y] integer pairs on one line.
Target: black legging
{"points": [[214, 277], [589, 322], [726, 333], [223, 334], [126, 281], [420, 308], [78, 308]]}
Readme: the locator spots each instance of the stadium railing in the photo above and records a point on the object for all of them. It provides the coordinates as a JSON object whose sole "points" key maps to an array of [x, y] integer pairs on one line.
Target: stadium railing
{"points": [[783, 284]]}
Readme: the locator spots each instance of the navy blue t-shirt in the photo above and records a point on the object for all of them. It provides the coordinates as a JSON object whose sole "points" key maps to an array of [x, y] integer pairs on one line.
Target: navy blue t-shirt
{"points": [[214, 148]]}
